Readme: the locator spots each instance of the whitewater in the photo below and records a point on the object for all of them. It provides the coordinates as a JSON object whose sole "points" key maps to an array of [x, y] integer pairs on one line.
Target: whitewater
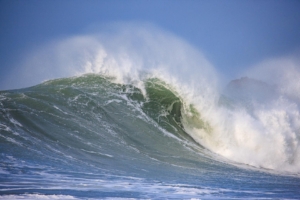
{"points": [[139, 113]]}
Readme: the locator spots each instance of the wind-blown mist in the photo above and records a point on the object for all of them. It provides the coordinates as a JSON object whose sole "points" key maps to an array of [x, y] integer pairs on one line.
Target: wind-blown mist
{"points": [[265, 122], [122, 52], [253, 121]]}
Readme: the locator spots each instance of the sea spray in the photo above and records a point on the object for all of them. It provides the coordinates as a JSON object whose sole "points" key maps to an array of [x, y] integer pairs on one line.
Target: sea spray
{"points": [[258, 131]]}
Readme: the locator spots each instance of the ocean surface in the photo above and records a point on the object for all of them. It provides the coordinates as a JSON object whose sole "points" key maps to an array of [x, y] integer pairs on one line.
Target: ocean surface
{"points": [[92, 137]]}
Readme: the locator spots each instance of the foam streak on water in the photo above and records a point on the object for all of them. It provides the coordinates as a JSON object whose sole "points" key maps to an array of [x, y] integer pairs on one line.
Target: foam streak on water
{"points": [[145, 117]]}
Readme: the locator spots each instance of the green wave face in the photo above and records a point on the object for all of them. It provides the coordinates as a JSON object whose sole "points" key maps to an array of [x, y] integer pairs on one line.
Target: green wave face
{"points": [[91, 119], [170, 110]]}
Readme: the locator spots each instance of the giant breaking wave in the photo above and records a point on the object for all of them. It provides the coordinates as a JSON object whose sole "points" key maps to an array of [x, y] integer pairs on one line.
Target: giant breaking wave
{"points": [[251, 121]]}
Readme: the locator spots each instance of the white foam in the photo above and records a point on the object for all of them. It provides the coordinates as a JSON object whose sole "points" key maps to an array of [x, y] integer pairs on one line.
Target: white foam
{"points": [[60, 110], [4, 127], [264, 134], [12, 120]]}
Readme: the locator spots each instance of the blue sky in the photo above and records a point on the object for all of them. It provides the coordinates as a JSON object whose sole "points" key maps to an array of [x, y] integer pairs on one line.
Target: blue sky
{"points": [[233, 35]]}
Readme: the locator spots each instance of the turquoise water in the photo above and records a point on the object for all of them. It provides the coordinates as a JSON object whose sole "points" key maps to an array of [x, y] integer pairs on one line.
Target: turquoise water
{"points": [[89, 137]]}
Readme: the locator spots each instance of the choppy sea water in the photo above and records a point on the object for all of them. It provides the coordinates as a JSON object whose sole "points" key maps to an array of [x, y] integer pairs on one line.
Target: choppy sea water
{"points": [[89, 137]]}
